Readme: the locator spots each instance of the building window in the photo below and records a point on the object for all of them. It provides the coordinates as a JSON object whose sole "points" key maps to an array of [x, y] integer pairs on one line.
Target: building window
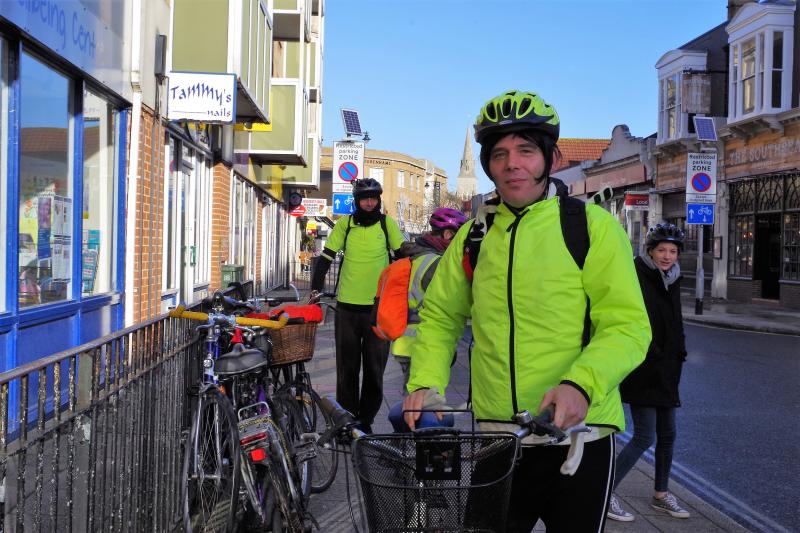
{"points": [[201, 251], [172, 210], [791, 247], [45, 187], [100, 142], [401, 179], [3, 165], [748, 82], [670, 121], [777, 68], [740, 253]]}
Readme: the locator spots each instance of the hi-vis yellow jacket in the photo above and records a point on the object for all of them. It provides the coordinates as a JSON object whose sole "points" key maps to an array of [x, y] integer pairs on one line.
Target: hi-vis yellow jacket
{"points": [[527, 303]]}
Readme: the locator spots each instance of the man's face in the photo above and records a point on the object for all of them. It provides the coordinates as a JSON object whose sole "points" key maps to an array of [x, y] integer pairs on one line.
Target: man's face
{"points": [[516, 166], [367, 204]]}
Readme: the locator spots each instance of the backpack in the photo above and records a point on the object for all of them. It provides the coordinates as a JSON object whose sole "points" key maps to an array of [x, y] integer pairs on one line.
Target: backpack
{"points": [[391, 313], [574, 228]]}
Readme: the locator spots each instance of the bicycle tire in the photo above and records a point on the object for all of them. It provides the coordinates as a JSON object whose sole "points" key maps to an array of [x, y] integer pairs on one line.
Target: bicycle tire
{"points": [[296, 425], [210, 490], [326, 463]]}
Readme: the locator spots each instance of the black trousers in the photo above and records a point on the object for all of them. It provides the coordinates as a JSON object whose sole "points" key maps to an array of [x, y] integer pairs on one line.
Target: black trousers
{"points": [[359, 349], [566, 504]]}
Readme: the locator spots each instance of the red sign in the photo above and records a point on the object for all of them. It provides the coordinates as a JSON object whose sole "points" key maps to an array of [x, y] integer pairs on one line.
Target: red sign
{"points": [[298, 211], [637, 202]]}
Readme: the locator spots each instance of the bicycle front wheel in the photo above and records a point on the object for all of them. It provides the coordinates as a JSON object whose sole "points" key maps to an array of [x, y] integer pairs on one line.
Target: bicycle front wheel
{"points": [[211, 466]]}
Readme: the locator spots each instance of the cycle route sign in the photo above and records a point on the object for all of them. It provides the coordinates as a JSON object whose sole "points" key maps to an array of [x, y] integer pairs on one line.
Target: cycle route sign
{"points": [[343, 204], [348, 165], [700, 213], [701, 178]]}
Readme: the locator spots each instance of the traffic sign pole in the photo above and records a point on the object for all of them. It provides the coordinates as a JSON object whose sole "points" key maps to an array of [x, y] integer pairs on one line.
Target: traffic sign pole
{"points": [[701, 186]]}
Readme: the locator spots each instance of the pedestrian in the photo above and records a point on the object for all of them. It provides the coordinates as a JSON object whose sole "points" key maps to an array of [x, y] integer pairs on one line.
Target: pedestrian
{"points": [[528, 297], [652, 389], [425, 253], [368, 238]]}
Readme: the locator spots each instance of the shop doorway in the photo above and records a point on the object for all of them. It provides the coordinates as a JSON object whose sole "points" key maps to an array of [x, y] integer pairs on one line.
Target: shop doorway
{"points": [[767, 254]]}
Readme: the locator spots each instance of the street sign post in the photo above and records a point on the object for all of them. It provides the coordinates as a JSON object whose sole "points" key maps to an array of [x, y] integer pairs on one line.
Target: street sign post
{"points": [[343, 204], [700, 214], [348, 165], [701, 195]]}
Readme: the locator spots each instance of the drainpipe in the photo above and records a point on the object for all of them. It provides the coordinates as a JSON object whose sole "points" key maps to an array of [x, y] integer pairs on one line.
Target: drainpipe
{"points": [[133, 160]]}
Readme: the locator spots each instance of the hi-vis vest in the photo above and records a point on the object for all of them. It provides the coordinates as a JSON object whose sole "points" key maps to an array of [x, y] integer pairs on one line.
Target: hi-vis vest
{"points": [[420, 266]]}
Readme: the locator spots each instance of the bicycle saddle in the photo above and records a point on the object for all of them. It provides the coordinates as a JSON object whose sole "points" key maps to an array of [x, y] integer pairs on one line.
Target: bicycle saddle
{"points": [[240, 360]]}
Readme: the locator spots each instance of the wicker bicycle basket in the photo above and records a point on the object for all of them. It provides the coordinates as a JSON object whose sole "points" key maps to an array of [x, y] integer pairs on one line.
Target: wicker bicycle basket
{"points": [[443, 482], [293, 344]]}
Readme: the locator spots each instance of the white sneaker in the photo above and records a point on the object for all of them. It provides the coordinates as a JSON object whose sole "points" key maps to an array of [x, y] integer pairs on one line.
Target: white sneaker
{"points": [[669, 504], [616, 512]]}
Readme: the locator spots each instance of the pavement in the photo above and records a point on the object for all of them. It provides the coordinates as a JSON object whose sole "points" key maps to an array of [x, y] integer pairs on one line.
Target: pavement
{"points": [[333, 508]]}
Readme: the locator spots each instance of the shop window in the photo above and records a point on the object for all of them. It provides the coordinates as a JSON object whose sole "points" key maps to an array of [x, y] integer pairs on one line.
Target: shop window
{"points": [[100, 140], [45, 185], [202, 251], [3, 166], [172, 210], [791, 247], [740, 253]]}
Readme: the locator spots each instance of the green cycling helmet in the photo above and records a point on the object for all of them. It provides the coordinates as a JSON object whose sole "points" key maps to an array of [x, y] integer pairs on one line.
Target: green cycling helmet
{"points": [[516, 111]]}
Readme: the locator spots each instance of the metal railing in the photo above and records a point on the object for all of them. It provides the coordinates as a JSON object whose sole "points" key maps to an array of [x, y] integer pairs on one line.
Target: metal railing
{"points": [[91, 439], [302, 273]]}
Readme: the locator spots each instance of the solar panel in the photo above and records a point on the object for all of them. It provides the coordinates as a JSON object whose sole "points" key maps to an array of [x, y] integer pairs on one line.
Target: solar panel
{"points": [[352, 126], [704, 126]]}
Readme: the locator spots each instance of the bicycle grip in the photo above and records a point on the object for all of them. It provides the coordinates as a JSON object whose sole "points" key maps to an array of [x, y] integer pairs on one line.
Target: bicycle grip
{"points": [[244, 321], [339, 415], [181, 312]]}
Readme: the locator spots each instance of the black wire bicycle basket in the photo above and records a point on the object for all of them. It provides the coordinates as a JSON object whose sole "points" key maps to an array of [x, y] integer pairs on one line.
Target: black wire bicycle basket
{"points": [[439, 480]]}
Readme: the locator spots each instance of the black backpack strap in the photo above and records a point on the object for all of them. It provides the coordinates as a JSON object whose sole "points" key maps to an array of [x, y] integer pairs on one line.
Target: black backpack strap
{"points": [[575, 230], [478, 229], [386, 236], [341, 262]]}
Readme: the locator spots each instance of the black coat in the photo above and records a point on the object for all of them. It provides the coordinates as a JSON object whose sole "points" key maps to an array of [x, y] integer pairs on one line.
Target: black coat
{"points": [[654, 383]]}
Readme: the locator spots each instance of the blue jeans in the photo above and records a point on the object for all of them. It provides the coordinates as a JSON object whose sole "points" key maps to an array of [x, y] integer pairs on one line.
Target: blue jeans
{"points": [[650, 424]]}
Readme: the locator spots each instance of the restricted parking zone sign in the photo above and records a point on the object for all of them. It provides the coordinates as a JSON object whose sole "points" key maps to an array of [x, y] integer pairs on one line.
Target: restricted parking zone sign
{"points": [[348, 165], [701, 178]]}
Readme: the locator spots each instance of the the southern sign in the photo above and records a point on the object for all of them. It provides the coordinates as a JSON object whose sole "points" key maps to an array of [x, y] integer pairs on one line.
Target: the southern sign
{"points": [[699, 213], [348, 165], [315, 207], [701, 178], [343, 204]]}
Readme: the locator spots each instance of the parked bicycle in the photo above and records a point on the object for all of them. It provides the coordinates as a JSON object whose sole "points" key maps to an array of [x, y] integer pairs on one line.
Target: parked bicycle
{"points": [[440, 479], [241, 432]]}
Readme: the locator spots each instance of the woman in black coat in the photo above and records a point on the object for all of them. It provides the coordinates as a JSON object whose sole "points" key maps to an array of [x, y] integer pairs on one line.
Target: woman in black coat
{"points": [[652, 389]]}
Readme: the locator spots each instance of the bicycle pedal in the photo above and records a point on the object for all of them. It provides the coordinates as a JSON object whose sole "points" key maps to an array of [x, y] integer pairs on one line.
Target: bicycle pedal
{"points": [[305, 451]]}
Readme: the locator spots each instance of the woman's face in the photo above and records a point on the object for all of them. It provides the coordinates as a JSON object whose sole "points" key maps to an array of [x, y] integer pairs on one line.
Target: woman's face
{"points": [[664, 255]]}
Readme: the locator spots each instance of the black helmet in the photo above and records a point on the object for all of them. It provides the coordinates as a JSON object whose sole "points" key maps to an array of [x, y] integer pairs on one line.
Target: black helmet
{"points": [[664, 233], [366, 188]]}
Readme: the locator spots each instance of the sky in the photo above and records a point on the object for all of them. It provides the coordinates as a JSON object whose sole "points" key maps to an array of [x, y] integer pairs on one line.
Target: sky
{"points": [[418, 71]]}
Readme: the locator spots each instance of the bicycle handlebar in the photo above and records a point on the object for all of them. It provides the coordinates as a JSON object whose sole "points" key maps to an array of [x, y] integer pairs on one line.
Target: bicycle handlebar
{"points": [[181, 312]]}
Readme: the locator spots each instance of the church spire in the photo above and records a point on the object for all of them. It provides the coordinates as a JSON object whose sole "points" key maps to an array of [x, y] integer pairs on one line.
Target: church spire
{"points": [[467, 182]]}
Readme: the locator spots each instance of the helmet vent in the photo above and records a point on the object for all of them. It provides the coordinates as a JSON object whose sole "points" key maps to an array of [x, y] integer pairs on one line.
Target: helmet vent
{"points": [[524, 106], [506, 108]]}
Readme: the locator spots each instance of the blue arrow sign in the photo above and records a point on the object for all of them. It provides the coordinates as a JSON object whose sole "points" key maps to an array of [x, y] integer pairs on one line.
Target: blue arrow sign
{"points": [[699, 213], [343, 204]]}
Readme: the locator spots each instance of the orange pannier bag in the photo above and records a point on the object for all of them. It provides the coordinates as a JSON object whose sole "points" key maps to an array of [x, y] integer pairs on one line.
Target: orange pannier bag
{"points": [[389, 316]]}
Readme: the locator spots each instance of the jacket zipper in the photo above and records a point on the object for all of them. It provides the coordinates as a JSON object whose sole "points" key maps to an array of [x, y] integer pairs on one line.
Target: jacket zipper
{"points": [[511, 367]]}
